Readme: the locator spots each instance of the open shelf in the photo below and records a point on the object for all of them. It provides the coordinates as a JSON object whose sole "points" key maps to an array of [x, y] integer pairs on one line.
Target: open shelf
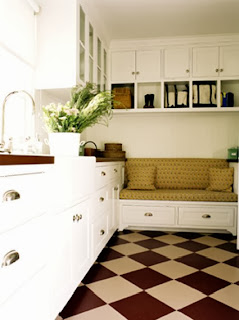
{"points": [[152, 88]]}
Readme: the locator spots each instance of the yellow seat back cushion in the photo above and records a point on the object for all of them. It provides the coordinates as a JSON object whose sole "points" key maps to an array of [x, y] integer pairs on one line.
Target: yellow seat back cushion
{"points": [[141, 178], [220, 179]]}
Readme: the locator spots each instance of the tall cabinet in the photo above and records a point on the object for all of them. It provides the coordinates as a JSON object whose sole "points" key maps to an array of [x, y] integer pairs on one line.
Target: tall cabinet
{"points": [[69, 50]]}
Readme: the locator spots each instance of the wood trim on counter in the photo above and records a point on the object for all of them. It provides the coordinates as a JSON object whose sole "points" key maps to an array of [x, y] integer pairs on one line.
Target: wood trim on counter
{"points": [[10, 159]]}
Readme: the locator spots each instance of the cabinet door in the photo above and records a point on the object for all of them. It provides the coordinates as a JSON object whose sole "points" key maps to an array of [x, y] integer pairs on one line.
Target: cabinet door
{"points": [[123, 66], [80, 242], [229, 61], [206, 62], [176, 63], [147, 66]]}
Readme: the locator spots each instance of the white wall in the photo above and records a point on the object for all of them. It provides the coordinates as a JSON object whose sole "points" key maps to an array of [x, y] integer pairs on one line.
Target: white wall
{"points": [[170, 135]]}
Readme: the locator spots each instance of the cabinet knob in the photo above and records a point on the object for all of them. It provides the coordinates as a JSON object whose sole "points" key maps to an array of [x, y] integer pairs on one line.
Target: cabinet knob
{"points": [[206, 216], [102, 232], [221, 70], [133, 72], [217, 70], [103, 173], [102, 199], [78, 217], [137, 72], [10, 257], [187, 70], [74, 218], [116, 188], [148, 214], [115, 170], [11, 195]]}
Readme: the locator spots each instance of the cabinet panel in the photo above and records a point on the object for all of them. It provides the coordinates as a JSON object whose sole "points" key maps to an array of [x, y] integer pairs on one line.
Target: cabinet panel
{"points": [[206, 62], [176, 63], [123, 66], [148, 65], [229, 61]]}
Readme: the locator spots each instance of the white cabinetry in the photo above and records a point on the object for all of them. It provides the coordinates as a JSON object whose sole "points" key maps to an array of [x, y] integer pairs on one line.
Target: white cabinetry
{"points": [[176, 63], [104, 219], [216, 61], [128, 66]]}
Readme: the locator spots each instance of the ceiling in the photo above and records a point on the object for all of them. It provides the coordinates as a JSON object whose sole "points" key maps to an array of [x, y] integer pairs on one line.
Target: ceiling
{"points": [[124, 19]]}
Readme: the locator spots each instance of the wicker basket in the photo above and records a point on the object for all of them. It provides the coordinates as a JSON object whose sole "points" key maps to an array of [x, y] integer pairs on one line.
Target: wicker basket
{"points": [[122, 98]]}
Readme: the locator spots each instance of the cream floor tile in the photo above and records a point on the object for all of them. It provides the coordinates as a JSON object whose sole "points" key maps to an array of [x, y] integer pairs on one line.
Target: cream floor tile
{"points": [[129, 248], [234, 241], [122, 265], [173, 269], [210, 241], [133, 237], [101, 313], [113, 289], [175, 294], [171, 239], [217, 254], [175, 316], [59, 318], [172, 252], [223, 271], [228, 295]]}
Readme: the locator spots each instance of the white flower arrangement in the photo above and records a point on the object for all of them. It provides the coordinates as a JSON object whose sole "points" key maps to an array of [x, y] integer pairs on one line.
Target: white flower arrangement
{"points": [[86, 108]]}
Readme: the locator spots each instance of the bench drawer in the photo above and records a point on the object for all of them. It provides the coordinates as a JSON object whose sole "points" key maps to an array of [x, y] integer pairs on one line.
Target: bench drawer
{"points": [[207, 217], [148, 216]]}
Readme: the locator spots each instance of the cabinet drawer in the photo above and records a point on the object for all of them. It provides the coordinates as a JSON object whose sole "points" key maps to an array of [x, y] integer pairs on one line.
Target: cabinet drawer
{"points": [[162, 216], [99, 233], [101, 200], [207, 217], [104, 174]]}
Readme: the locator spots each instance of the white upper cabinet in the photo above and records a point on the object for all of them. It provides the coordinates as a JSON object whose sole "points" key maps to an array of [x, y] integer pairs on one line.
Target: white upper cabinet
{"points": [[206, 62], [220, 61], [229, 61], [131, 66], [147, 66], [176, 63], [123, 66]]}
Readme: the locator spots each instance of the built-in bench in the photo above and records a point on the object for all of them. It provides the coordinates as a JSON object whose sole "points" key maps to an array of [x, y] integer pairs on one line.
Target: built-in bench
{"points": [[179, 194]]}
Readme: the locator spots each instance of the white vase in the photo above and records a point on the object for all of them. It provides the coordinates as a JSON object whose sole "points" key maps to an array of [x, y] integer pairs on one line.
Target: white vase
{"points": [[64, 143]]}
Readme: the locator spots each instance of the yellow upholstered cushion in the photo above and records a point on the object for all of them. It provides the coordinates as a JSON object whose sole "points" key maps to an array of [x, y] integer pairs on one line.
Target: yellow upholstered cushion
{"points": [[220, 179], [178, 195], [141, 178]]}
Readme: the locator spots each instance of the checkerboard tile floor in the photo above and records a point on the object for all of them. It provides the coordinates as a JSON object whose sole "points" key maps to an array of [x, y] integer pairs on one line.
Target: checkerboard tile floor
{"points": [[151, 275]]}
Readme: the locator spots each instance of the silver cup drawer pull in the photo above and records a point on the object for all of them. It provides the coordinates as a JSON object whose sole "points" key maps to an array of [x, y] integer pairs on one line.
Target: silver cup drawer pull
{"points": [[148, 214], [10, 195], [206, 216], [10, 257]]}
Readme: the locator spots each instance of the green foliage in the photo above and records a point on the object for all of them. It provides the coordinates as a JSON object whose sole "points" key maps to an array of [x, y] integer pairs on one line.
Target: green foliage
{"points": [[86, 108]]}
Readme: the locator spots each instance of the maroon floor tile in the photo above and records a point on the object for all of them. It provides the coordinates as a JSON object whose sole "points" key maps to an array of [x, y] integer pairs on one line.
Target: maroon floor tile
{"points": [[229, 246], [223, 236], [197, 261], [234, 262], [151, 243], [188, 235], [204, 282], [210, 309], [120, 233], [152, 234], [148, 258], [192, 246], [109, 254], [141, 307], [96, 273], [82, 300], [145, 278], [114, 241]]}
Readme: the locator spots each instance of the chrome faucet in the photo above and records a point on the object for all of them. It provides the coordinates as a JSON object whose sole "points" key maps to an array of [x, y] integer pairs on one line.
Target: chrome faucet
{"points": [[2, 143]]}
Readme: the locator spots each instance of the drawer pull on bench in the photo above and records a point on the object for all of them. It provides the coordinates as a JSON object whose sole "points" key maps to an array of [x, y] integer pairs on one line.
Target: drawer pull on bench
{"points": [[10, 195], [206, 216], [148, 214]]}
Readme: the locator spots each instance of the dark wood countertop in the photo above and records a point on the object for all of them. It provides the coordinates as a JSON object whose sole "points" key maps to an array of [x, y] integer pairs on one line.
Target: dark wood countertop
{"points": [[99, 159], [15, 159], [232, 160]]}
